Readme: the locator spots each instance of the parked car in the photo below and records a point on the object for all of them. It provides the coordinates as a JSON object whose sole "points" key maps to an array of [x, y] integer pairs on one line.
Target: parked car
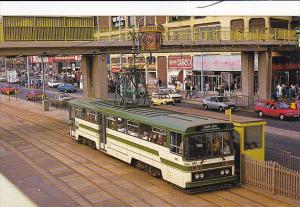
{"points": [[7, 90], [53, 84], [34, 95], [177, 97], [275, 109], [162, 99], [2, 79], [67, 88], [218, 102]]}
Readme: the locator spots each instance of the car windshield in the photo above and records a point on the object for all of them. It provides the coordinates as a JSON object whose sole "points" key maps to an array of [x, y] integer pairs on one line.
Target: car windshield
{"points": [[210, 144], [282, 106], [222, 99]]}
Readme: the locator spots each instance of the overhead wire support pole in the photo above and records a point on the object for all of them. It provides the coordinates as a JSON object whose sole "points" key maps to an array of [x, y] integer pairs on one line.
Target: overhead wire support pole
{"points": [[43, 77]]}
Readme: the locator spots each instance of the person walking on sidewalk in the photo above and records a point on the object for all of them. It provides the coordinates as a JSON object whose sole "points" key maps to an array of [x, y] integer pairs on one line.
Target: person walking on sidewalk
{"points": [[188, 90]]}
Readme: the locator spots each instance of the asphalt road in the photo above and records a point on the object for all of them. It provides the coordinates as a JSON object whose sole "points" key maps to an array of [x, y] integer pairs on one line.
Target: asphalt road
{"points": [[272, 140]]}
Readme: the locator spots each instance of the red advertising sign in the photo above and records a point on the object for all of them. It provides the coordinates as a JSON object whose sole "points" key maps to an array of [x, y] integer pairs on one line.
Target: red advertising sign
{"points": [[180, 62], [287, 66]]}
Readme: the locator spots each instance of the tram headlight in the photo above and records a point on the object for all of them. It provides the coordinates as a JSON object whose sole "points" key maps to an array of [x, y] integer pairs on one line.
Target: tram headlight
{"points": [[201, 175], [197, 176], [222, 172], [227, 171]]}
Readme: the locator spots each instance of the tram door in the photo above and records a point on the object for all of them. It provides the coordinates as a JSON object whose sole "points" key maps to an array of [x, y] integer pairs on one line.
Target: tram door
{"points": [[102, 130]]}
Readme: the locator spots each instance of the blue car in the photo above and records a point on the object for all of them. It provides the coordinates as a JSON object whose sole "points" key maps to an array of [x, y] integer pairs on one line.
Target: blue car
{"points": [[67, 88]]}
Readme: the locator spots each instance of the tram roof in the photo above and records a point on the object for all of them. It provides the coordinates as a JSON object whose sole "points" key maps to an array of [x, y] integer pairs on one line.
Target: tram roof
{"points": [[153, 116]]}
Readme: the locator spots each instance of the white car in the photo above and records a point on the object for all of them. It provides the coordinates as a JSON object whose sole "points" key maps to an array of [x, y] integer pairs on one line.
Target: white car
{"points": [[53, 84], [172, 94]]}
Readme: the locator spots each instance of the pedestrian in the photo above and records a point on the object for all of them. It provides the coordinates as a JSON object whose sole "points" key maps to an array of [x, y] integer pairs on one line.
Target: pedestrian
{"points": [[188, 90], [232, 88], [159, 82], [207, 88], [194, 91], [155, 82], [298, 103], [279, 90]]}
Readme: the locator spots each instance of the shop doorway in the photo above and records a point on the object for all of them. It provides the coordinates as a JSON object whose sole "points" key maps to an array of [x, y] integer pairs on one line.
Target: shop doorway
{"points": [[213, 80]]}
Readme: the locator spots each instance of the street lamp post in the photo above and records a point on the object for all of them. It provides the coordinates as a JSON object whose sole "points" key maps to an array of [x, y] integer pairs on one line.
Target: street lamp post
{"points": [[202, 76], [28, 73], [43, 77]]}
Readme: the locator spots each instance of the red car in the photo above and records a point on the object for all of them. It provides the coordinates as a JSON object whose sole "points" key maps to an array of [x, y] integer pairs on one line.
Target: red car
{"points": [[6, 89], [275, 109], [34, 95]]}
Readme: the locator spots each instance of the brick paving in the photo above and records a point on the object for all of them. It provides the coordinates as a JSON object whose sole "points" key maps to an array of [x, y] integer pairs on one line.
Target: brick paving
{"points": [[38, 156]]}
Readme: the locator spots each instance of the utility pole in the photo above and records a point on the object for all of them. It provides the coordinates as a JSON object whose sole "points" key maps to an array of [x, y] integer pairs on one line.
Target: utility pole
{"points": [[43, 77], [28, 73], [202, 76]]}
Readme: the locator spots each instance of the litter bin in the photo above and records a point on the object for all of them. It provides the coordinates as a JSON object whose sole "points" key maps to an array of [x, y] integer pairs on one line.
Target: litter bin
{"points": [[45, 105]]}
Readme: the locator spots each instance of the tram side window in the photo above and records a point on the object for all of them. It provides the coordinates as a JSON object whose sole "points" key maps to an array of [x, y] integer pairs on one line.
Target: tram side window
{"points": [[79, 113], [121, 125], [159, 136], [91, 116], [133, 128], [111, 123], [145, 132], [252, 137], [176, 144]]}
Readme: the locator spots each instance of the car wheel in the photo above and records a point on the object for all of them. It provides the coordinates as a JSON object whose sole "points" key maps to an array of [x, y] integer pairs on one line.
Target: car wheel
{"points": [[260, 113], [281, 117], [205, 107], [162, 104], [221, 109]]}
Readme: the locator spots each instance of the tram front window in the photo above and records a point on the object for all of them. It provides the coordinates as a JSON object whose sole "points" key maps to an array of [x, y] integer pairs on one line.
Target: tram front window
{"points": [[206, 145]]}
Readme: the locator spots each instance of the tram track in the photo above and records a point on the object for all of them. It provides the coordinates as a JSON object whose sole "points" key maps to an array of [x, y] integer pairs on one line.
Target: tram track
{"points": [[39, 145], [209, 198]]}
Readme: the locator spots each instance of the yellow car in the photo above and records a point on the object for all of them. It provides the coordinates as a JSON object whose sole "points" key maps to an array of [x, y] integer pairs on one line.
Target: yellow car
{"points": [[161, 99]]}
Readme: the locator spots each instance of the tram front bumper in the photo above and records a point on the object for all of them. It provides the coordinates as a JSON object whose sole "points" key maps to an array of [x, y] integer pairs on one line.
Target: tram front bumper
{"points": [[210, 182]]}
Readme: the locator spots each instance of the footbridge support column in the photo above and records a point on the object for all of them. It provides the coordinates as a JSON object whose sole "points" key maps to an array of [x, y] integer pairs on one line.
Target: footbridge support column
{"points": [[265, 74], [94, 76], [247, 65]]}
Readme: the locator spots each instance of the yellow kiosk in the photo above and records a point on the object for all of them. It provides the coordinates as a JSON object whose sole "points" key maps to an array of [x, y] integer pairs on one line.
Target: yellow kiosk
{"points": [[249, 133]]}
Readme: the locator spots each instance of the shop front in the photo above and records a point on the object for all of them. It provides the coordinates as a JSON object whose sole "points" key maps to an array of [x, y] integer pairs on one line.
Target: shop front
{"points": [[219, 71], [179, 68], [286, 73]]}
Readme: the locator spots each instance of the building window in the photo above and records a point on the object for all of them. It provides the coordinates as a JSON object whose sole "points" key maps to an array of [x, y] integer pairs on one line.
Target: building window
{"points": [[118, 21], [150, 60], [131, 21], [176, 144], [178, 18], [199, 17]]}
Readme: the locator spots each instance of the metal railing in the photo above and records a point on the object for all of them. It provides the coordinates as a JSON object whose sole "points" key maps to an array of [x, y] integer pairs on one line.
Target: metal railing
{"points": [[196, 34], [68, 29]]}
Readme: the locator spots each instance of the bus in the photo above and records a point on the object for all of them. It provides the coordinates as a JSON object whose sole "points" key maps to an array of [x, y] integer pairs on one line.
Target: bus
{"points": [[193, 153]]}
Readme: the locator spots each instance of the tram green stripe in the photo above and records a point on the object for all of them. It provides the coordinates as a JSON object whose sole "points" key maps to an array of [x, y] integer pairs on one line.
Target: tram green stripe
{"points": [[154, 152], [88, 128], [175, 165]]}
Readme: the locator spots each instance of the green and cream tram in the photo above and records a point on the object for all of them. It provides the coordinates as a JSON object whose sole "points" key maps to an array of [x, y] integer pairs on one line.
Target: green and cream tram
{"points": [[193, 153]]}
